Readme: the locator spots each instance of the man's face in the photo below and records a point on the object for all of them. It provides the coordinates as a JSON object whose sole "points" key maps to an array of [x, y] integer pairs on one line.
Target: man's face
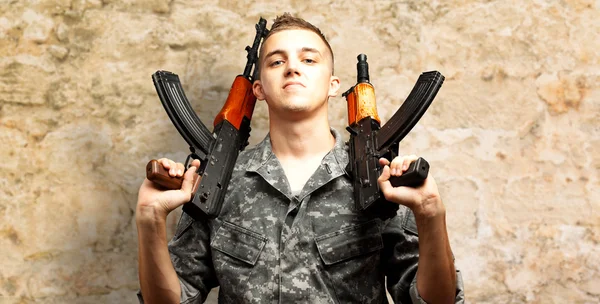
{"points": [[295, 72]]}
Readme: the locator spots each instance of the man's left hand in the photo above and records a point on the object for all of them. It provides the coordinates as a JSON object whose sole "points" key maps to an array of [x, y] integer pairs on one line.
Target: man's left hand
{"points": [[423, 200]]}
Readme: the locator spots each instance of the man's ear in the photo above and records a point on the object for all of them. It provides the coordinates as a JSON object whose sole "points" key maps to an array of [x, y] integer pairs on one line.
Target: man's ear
{"points": [[257, 89], [334, 86]]}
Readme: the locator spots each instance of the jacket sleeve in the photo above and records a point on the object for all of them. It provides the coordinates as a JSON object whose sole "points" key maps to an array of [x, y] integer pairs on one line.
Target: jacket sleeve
{"points": [[191, 257], [400, 259]]}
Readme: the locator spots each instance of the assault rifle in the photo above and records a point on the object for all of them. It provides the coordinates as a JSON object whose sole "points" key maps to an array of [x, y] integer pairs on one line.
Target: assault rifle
{"points": [[217, 150], [368, 142]]}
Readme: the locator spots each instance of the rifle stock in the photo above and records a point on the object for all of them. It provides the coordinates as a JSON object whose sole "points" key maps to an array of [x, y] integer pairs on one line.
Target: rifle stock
{"points": [[368, 141], [217, 150]]}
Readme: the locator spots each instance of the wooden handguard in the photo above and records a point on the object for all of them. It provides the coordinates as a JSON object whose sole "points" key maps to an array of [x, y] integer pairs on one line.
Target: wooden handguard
{"points": [[156, 173], [232, 111], [361, 103]]}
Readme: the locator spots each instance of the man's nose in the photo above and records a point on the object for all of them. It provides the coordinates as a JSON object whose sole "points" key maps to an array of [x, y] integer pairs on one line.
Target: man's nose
{"points": [[292, 68]]}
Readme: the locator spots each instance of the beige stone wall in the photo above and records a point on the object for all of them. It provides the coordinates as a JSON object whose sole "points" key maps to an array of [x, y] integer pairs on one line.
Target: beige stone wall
{"points": [[513, 136]]}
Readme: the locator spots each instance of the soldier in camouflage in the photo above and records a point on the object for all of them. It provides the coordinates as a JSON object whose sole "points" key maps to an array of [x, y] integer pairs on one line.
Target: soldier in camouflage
{"points": [[289, 231]]}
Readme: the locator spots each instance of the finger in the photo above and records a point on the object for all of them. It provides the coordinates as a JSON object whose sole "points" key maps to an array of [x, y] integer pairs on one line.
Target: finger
{"points": [[188, 179], [384, 184], [165, 163], [169, 165], [383, 161], [408, 161], [180, 169], [196, 163], [385, 174], [173, 168], [396, 166]]}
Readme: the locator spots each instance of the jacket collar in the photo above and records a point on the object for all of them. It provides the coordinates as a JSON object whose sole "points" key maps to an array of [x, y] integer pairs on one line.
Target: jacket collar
{"points": [[265, 163]]}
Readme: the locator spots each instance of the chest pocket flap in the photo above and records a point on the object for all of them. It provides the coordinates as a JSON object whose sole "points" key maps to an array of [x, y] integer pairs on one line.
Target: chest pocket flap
{"points": [[349, 242], [239, 242]]}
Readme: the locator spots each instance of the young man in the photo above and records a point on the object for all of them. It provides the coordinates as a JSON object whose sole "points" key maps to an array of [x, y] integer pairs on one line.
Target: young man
{"points": [[288, 231]]}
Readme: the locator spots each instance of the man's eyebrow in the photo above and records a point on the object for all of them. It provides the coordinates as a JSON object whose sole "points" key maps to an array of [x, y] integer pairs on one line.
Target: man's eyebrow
{"points": [[275, 52], [311, 50], [303, 50]]}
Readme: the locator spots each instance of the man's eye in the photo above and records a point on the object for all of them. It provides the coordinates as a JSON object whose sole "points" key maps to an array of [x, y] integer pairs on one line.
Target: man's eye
{"points": [[276, 63], [308, 60]]}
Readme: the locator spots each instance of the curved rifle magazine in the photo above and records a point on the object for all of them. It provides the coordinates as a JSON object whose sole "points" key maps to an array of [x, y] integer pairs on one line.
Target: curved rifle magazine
{"points": [[411, 111], [177, 106]]}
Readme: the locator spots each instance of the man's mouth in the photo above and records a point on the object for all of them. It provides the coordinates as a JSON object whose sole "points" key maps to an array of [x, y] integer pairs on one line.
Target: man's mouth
{"points": [[293, 84]]}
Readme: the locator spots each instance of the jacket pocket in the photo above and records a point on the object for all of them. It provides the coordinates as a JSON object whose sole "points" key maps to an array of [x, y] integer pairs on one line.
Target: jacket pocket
{"points": [[409, 223], [350, 242], [351, 260], [238, 242], [185, 221]]}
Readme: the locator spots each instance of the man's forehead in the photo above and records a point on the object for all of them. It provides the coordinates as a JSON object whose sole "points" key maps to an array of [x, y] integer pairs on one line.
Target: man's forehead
{"points": [[294, 39]]}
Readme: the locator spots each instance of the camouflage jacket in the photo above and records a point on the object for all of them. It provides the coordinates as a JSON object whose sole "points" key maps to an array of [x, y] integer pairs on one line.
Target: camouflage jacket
{"points": [[269, 246]]}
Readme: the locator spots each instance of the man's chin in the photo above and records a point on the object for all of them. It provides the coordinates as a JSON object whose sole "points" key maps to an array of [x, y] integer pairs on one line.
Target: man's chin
{"points": [[296, 105], [297, 108]]}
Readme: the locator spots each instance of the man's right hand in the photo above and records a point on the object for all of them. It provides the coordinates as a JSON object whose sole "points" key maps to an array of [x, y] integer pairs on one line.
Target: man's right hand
{"points": [[158, 279], [155, 203]]}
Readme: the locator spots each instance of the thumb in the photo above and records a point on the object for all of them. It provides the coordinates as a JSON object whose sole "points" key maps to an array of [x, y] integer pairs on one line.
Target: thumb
{"points": [[384, 161], [385, 174], [188, 181], [196, 163]]}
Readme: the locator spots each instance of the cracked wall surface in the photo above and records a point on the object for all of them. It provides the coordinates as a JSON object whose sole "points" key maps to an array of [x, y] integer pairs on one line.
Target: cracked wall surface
{"points": [[513, 137]]}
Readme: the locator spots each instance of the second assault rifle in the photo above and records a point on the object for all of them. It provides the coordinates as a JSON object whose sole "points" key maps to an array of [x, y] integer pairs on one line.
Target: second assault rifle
{"points": [[369, 142], [217, 150]]}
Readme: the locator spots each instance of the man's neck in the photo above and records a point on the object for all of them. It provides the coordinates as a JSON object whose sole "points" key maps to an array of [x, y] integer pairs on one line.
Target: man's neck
{"points": [[300, 139], [300, 146]]}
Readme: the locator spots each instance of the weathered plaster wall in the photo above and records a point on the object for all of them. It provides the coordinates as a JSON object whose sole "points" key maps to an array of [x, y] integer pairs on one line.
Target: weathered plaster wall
{"points": [[513, 136]]}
